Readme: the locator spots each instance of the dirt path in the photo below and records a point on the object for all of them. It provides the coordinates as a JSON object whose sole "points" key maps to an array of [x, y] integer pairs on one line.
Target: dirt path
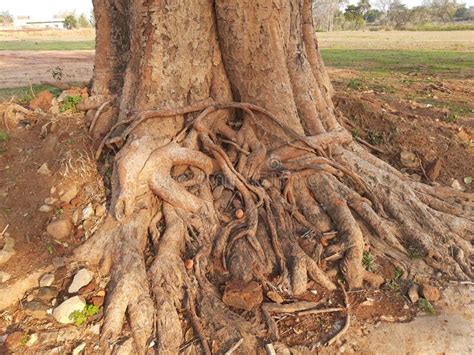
{"points": [[22, 68]]}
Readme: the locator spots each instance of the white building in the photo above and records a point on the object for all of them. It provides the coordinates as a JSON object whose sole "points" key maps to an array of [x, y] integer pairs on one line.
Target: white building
{"points": [[24, 22]]}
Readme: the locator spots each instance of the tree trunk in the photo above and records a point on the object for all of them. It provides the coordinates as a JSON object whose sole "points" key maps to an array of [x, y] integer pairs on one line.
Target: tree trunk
{"points": [[232, 165]]}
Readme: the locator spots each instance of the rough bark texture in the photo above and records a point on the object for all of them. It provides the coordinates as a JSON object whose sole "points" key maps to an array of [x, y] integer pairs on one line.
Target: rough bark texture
{"points": [[232, 165]]}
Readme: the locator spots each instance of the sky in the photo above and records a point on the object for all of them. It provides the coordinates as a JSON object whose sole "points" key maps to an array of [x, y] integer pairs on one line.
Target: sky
{"points": [[48, 8]]}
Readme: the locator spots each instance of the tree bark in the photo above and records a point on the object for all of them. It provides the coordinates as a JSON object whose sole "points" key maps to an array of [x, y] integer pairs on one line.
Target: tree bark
{"points": [[231, 157]]}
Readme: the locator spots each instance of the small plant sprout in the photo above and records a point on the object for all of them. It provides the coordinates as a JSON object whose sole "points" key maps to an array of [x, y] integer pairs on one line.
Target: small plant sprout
{"points": [[81, 317], [368, 261], [414, 253], [70, 103], [426, 306]]}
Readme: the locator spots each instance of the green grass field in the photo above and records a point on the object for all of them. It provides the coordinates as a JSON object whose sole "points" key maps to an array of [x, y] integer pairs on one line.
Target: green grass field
{"points": [[402, 61], [27, 45]]}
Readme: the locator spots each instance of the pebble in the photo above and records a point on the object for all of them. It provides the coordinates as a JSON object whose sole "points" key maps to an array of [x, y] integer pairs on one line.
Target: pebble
{"points": [[44, 170], [456, 185], [243, 295], [82, 278], [4, 276], [239, 214], [100, 210], [60, 229], [7, 251], [50, 200], [275, 297], [46, 280], [79, 349], [87, 212], [45, 208], [189, 264], [47, 293], [95, 329], [69, 194], [65, 309], [430, 293], [36, 309], [413, 293], [408, 159], [32, 339]]}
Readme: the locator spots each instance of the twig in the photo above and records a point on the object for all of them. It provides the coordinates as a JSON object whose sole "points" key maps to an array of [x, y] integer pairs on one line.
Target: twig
{"points": [[4, 230], [348, 318], [320, 311], [196, 324], [234, 347]]}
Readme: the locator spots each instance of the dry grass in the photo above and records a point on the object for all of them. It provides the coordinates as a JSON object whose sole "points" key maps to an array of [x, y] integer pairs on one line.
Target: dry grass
{"points": [[398, 40]]}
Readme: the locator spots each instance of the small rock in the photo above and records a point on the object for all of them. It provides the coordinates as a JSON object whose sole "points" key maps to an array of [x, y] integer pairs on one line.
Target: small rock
{"points": [[46, 280], [87, 212], [389, 319], [413, 293], [47, 293], [4, 276], [36, 309], [78, 349], [97, 301], [65, 309], [368, 302], [457, 185], [7, 251], [45, 208], [60, 229], [82, 278], [430, 293], [95, 329], [50, 200], [44, 170], [76, 217], [32, 339], [42, 101], [275, 297], [408, 159], [239, 214], [434, 169], [243, 295], [416, 177], [70, 333], [69, 194], [88, 288], [188, 264], [100, 210]]}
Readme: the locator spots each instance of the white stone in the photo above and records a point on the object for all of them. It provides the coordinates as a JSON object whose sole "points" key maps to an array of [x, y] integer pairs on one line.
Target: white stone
{"points": [[65, 309], [44, 170], [32, 339], [46, 280], [87, 212], [7, 252], [457, 185], [45, 208], [69, 194], [4, 276], [50, 200], [79, 349], [82, 278]]}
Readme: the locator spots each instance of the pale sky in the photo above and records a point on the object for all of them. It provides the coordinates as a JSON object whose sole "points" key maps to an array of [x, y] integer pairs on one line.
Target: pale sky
{"points": [[48, 8]]}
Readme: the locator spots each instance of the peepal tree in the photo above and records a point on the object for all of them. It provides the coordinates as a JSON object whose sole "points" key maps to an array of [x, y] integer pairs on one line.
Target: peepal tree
{"points": [[232, 164]]}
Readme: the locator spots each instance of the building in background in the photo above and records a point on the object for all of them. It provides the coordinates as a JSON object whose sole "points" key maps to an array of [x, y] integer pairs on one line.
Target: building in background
{"points": [[28, 22]]}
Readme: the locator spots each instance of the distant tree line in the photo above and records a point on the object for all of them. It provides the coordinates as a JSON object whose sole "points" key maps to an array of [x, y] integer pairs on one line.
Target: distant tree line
{"points": [[387, 14], [71, 20], [5, 17]]}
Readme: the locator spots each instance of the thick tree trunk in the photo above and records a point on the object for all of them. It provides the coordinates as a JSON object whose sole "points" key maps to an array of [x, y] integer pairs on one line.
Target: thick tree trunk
{"points": [[231, 157]]}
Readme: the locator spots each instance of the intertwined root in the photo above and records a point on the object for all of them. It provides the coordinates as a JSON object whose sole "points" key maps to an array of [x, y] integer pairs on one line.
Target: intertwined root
{"points": [[310, 216]]}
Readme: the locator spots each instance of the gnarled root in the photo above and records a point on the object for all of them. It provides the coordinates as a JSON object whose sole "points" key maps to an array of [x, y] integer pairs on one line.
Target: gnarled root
{"points": [[312, 216]]}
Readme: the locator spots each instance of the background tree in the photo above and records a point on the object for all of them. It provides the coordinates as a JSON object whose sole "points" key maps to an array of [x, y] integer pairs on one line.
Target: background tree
{"points": [[83, 21], [398, 14], [70, 22], [355, 14], [324, 12], [233, 172], [5, 17]]}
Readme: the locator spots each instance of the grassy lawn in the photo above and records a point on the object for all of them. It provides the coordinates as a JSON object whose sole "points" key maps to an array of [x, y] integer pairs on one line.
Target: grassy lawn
{"points": [[402, 61], [49, 45]]}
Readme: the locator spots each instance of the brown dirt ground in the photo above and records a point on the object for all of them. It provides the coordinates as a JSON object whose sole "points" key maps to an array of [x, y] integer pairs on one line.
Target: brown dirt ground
{"points": [[23, 68], [63, 144]]}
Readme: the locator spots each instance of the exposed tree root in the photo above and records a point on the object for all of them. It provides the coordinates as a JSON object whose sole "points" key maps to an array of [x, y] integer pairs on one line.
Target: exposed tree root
{"points": [[337, 200]]}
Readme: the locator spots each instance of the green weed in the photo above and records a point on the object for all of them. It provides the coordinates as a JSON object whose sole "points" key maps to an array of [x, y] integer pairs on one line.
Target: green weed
{"points": [[70, 103], [368, 261], [426, 306], [80, 317]]}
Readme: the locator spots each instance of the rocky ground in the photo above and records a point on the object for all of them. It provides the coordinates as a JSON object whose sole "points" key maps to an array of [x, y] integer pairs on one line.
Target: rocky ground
{"points": [[54, 196]]}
